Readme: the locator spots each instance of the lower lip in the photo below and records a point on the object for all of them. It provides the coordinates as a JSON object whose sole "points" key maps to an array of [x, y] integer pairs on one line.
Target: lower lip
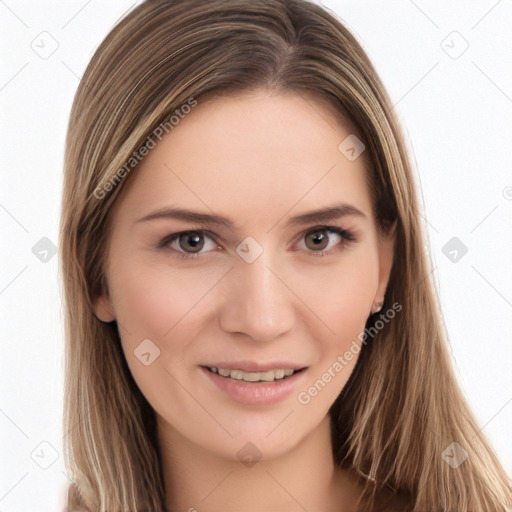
{"points": [[255, 393]]}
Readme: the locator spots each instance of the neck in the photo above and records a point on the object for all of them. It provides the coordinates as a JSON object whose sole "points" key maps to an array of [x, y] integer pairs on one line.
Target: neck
{"points": [[305, 478]]}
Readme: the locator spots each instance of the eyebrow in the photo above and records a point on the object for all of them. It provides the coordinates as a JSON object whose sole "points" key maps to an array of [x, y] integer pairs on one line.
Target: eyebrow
{"points": [[321, 215]]}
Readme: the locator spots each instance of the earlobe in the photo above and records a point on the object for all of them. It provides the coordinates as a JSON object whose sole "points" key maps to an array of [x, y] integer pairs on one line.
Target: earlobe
{"points": [[103, 308], [376, 308]]}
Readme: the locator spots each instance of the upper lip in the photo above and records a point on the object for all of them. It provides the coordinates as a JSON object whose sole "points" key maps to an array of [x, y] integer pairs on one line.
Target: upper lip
{"points": [[252, 366]]}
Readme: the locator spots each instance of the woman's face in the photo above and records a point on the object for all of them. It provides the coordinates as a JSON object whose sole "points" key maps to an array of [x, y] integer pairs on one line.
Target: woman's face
{"points": [[248, 288]]}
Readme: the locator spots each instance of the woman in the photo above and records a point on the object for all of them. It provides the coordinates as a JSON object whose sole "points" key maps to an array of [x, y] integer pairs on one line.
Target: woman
{"points": [[250, 320]]}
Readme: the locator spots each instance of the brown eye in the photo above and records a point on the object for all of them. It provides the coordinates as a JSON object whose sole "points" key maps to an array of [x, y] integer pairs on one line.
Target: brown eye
{"points": [[189, 244], [317, 240], [322, 240], [191, 241]]}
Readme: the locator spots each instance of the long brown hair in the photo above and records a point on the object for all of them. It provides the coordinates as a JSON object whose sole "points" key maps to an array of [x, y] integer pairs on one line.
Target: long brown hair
{"points": [[402, 407]]}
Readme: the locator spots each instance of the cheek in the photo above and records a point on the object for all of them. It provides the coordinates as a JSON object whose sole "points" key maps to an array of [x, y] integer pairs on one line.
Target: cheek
{"points": [[343, 306], [343, 299], [169, 307], [156, 300], [342, 296]]}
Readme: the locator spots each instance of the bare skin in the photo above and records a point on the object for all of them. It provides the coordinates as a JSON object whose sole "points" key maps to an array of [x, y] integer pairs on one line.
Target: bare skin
{"points": [[260, 159]]}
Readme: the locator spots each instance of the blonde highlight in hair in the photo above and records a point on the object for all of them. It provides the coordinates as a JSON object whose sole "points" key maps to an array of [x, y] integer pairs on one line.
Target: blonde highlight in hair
{"points": [[402, 405]]}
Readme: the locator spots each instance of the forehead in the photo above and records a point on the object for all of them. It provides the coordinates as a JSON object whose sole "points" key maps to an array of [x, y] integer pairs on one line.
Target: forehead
{"points": [[253, 156]]}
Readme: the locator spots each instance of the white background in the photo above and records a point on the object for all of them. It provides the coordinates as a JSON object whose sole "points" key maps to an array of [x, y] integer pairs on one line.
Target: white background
{"points": [[457, 113]]}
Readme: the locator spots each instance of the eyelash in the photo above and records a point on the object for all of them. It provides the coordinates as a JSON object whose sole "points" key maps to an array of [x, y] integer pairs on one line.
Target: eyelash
{"points": [[347, 239]]}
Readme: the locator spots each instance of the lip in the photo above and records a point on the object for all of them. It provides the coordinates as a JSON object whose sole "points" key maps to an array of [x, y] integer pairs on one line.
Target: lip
{"points": [[252, 393], [252, 366]]}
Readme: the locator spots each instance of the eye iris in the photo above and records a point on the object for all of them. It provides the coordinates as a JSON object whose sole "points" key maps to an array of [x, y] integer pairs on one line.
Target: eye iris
{"points": [[195, 241], [317, 237]]}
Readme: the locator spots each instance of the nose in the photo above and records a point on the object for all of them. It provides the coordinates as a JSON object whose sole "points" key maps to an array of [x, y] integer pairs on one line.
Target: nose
{"points": [[258, 302]]}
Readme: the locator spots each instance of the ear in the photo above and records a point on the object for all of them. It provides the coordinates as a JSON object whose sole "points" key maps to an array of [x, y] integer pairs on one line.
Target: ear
{"points": [[386, 256], [103, 307]]}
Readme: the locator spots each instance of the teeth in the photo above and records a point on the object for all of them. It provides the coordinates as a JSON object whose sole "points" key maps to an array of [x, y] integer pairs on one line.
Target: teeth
{"points": [[268, 376]]}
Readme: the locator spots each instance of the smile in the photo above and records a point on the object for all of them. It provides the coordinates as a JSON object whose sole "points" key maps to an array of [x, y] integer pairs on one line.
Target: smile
{"points": [[258, 377], [255, 388]]}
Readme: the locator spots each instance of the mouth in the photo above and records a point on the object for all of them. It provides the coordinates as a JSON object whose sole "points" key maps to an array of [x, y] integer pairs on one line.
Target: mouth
{"points": [[261, 377], [264, 384]]}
